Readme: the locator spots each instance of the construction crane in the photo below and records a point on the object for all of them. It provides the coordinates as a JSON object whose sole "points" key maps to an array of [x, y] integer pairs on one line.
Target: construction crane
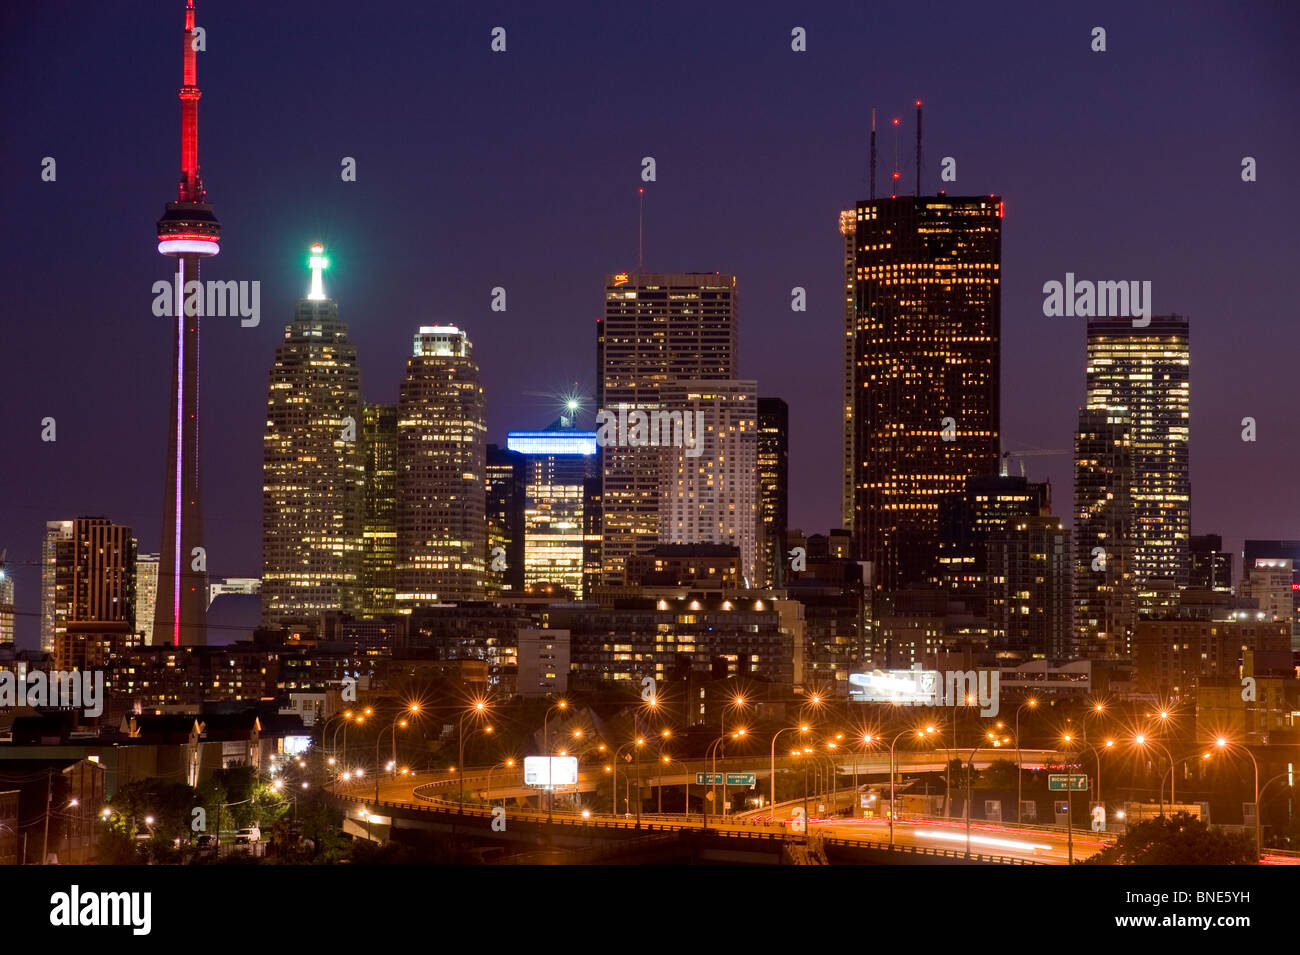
{"points": [[1031, 453]]}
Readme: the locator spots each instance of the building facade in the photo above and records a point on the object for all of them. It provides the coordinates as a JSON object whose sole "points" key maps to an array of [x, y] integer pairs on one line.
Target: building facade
{"points": [[1104, 585], [925, 354], [313, 468], [441, 458], [656, 328], [557, 464], [379, 527], [506, 496], [1030, 602], [773, 489], [91, 577], [1146, 370], [709, 494]]}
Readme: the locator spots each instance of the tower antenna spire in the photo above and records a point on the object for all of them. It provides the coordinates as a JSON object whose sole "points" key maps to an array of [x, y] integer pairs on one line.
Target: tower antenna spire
{"points": [[640, 232], [191, 185], [871, 188], [918, 149]]}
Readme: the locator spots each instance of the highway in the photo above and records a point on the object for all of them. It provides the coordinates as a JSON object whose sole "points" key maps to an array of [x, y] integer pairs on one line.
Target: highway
{"points": [[1044, 845]]}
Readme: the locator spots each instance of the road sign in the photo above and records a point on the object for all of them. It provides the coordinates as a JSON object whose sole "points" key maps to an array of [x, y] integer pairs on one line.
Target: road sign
{"points": [[726, 779], [1060, 782]]}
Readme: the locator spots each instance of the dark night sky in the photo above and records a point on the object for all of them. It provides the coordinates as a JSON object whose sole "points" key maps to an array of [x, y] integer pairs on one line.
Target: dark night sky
{"points": [[520, 169]]}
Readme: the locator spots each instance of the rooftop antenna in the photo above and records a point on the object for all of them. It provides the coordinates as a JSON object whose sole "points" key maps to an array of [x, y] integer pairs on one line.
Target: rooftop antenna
{"points": [[640, 234], [897, 175], [872, 188], [918, 149]]}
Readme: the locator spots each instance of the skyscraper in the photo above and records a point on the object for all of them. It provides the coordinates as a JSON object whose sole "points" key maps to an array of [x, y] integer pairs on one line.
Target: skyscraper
{"points": [[773, 488], [557, 464], [1210, 564], [925, 355], [968, 519], [1146, 371], [6, 602], [1030, 599], [91, 575], [709, 493], [379, 530], [1104, 586], [506, 502], [441, 429], [657, 328], [146, 593], [313, 466], [187, 232], [849, 232], [56, 581]]}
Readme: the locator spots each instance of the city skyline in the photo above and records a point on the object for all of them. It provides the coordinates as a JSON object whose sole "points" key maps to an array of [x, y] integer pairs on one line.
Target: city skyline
{"points": [[680, 234]]}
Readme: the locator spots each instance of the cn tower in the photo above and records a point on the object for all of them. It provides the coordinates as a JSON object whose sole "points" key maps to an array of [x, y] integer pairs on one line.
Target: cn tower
{"points": [[187, 232]]}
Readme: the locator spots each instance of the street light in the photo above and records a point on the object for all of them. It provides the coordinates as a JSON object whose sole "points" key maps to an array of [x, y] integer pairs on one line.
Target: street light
{"points": [[990, 737], [893, 806], [1020, 763], [550, 762], [479, 707], [713, 751], [1141, 740], [507, 764], [1224, 744], [772, 768], [614, 794]]}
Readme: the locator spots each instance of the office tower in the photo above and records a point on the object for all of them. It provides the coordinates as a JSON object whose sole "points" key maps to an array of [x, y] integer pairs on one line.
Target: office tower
{"points": [[968, 518], [656, 328], [542, 662], [441, 498], [1104, 586], [557, 464], [56, 581], [773, 488], [313, 466], [379, 525], [592, 534], [709, 492], [1210, 566], [187, 232], [6, 602], [1269, 583], [849, 233], [1146, 371], [90, 571], [1030, 599], [506, 497], [925, 354], [146, 594]]}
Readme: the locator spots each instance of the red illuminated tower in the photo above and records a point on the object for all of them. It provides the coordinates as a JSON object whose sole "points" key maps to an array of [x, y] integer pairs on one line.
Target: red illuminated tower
{"points": [[187, 232]]}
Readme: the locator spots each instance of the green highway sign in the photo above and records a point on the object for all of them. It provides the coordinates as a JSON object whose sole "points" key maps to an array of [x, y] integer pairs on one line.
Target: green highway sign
{"points": [[726, 779], [1060, 782]]}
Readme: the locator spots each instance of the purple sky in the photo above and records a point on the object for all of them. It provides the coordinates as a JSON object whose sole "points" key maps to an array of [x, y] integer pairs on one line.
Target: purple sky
{"points": [[520, 170]]}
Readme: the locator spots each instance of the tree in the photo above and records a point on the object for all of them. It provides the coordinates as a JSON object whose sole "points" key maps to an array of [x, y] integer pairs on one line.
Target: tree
{"points": [[999, 774], [1181, 839]]}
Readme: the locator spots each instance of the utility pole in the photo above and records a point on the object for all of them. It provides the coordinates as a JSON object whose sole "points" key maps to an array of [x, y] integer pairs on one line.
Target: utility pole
{"points": [[49, 796]]}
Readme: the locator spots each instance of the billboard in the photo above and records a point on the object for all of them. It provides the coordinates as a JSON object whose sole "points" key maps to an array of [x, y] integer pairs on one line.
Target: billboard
{"points": [[914, 687], [550, 771]]}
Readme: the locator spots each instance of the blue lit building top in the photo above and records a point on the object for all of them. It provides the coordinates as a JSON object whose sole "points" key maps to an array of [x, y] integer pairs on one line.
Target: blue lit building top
{"points": [[552, 442]]}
